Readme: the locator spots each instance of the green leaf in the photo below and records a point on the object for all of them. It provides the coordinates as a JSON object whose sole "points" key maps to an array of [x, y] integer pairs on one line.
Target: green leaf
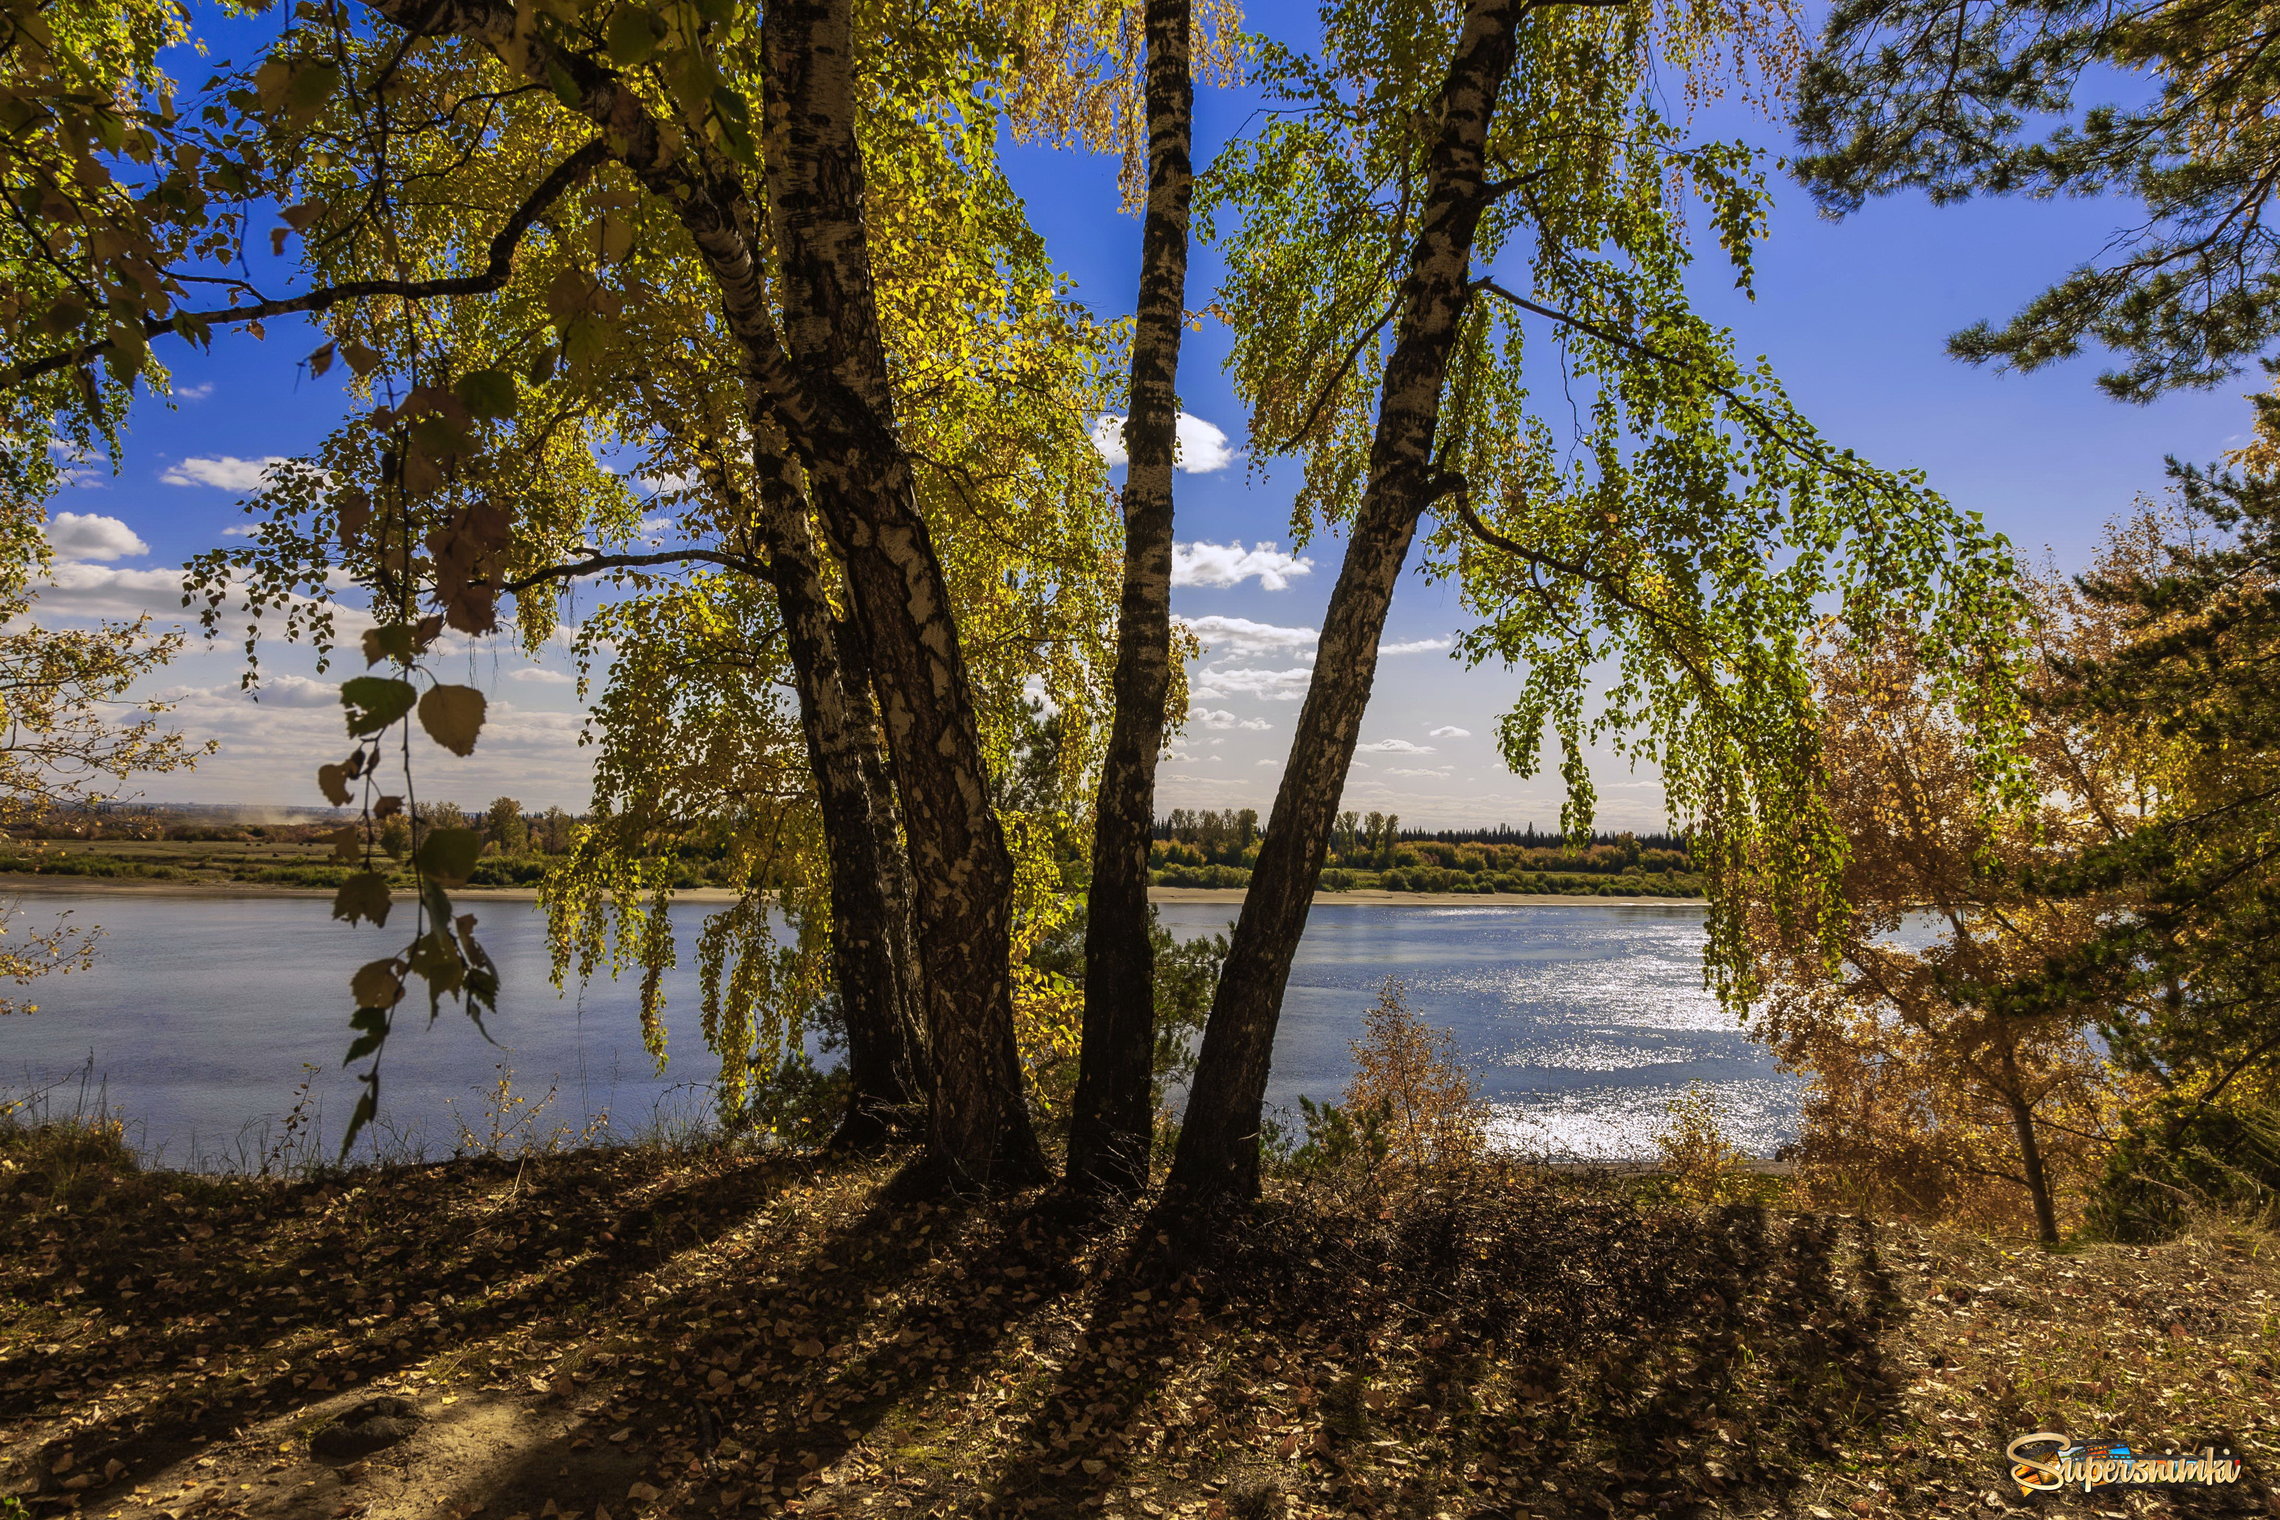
{"points": [[364, 895], [487, 393], [376, 985], [393, 642], [453, 716], [374, 702], [439, 438], [632, 40], [434, 959], [372, 1022], [420, 474], [448, 856], [565, 88], [311, 86], [568, 294], [367, 1108]]}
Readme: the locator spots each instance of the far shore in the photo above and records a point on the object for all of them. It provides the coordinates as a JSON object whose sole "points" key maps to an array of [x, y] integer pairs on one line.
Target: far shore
{"points": [[1374, 897], [106, 886]]}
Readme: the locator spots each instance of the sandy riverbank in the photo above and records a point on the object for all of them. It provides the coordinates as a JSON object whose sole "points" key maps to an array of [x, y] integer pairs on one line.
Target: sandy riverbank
{"points": [[101, 886]]}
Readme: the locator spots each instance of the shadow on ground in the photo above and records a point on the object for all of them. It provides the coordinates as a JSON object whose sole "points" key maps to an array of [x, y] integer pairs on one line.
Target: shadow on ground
{"points": [[644, 1332]]}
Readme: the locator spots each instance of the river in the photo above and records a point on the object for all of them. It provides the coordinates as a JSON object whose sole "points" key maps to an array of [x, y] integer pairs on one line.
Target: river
{"points": [[203, 1016]]}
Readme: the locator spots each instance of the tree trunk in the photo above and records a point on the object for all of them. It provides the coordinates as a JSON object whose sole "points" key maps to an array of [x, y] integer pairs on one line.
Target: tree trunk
{"points": [[873, 961], [1113, 1119], [1217, 1163], [861, 478], [823, 377], [2030, 1149]]}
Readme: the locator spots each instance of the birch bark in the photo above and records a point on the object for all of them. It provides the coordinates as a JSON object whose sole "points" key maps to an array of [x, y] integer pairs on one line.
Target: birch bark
{"points": [[1217, 1163], [1113, 1118]]}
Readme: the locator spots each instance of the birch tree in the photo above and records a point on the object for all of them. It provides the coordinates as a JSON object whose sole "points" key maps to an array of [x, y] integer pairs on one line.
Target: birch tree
{"points": [[1112, 1126], [1454, 208]]}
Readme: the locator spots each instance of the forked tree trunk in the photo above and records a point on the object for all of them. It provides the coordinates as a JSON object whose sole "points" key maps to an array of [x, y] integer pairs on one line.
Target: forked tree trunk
{"points": [[1217, 1163], [872, 956], [861, 478], [823, 376], [1113, 1119]]}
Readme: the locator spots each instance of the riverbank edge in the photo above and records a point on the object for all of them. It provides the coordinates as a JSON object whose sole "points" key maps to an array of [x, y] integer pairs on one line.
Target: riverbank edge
{"points": [[107, 886]]}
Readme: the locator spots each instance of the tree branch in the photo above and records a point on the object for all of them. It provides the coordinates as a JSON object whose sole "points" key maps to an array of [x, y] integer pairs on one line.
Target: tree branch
{"points": [[1756, 414], [600, 562], [493, 276]]}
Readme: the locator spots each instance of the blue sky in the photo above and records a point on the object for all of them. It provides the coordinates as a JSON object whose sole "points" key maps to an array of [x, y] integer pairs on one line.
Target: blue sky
{"points": [[1853, 316]]}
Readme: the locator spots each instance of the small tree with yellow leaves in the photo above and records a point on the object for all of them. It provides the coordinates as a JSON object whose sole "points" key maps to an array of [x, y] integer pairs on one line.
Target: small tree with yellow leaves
{"points": [[1407, 1074]]}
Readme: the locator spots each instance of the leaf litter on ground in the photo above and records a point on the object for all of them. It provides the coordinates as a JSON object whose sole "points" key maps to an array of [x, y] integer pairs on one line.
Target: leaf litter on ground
{"points": [[698, 1332]]}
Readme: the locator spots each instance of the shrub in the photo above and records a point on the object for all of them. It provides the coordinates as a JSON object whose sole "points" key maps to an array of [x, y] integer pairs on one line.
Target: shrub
{"points": [[2167, 1167], [1409, 1069], [1700, 1164]]}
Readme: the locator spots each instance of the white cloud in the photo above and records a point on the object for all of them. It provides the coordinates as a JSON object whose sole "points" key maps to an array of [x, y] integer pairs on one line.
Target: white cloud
{"points": [[1397, 747], [242, 530], [1397, 770], [226, 470], [89, 535], [75, 590], [1220, 717], [296, 724], [1266, 762], [1208, 564], [1449, 731], [198, 392], [1242, 636], [1201, 447], [290, 691], [542, 677], [1243, 681], [1416, 646]]}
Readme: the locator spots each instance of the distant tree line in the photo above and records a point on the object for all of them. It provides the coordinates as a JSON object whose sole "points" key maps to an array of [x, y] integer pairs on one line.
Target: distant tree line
{"points": [[1371, 851]]}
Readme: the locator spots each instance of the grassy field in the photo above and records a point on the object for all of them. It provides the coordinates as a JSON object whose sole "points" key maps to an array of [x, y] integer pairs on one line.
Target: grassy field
{"points": [[657, 1332], [265, 862]]}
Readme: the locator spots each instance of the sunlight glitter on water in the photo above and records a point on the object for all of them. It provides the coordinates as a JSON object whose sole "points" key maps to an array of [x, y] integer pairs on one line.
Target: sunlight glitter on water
{"points": [[1597, 1055], [1619, 1124], [1578, 1022]]}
